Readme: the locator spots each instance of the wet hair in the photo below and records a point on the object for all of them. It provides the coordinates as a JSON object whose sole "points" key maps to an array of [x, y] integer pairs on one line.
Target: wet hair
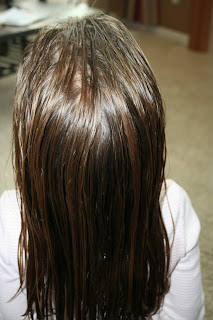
{"points": [[89, 158]]}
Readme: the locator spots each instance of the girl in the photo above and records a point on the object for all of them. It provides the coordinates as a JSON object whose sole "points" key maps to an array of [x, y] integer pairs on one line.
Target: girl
{"points": [[98, 232]]}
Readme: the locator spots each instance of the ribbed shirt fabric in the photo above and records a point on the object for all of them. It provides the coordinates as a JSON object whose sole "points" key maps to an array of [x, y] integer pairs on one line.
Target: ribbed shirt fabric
{"points": [[185, 299]]}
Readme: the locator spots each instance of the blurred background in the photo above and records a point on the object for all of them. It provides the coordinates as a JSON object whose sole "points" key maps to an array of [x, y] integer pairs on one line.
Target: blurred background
{"points": [[177, 39]]}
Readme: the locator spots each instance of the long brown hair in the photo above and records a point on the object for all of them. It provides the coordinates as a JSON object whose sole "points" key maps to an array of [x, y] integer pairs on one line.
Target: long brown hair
{"points": [[89, 158]]}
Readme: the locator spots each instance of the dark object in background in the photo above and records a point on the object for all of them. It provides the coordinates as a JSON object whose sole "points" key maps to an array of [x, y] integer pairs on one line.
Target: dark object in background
{"points": [[4, 48], [9, 3], [11, 51], [200, 28]]}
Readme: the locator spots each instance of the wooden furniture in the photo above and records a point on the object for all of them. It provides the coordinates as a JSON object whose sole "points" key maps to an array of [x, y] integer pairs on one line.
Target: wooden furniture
{"points": [[200, 25]]}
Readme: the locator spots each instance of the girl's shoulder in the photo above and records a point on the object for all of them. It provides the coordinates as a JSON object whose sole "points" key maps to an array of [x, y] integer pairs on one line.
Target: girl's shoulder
{"points": [[180, 220], [176, 205], [10, 226]]}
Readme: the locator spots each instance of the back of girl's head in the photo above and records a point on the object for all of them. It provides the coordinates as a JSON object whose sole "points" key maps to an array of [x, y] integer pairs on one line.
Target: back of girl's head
{"points": [[89, 151]]}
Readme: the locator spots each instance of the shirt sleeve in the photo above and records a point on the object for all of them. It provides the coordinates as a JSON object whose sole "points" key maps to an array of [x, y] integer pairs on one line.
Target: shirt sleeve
{"points": [[10, 225], [185, 299]]}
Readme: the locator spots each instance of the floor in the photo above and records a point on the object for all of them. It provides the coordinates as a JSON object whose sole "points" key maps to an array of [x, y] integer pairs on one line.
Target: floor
{"points": [[185, 79]]}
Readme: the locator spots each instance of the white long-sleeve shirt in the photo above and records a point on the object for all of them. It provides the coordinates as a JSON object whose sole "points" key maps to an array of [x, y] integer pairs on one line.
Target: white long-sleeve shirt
{"points": [[185, 299]]}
